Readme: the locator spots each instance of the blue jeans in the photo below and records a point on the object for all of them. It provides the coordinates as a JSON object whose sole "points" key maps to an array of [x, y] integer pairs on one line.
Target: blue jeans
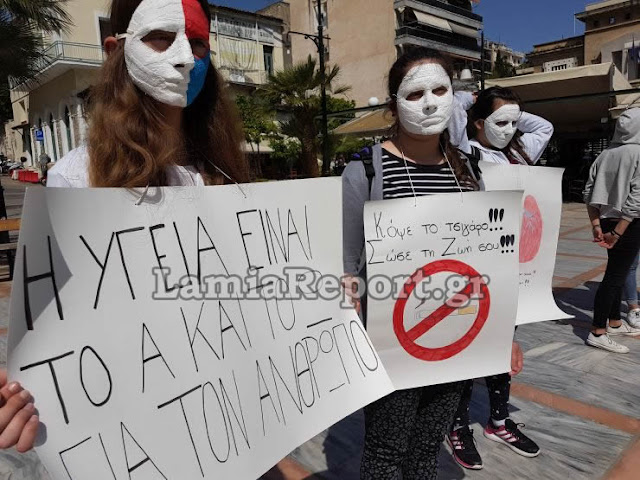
{"points": [[631, 285]]}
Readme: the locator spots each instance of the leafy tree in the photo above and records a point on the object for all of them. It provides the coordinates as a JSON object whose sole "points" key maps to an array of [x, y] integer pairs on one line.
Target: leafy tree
{"points": [[286, 154], [257, 119], [257, 123], [296, 92], [21, 25], [502, 68]]}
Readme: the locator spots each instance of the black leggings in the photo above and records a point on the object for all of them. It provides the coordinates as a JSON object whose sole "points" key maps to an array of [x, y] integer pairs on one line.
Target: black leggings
{"points": [[404, 430], [621, 256], [499, 387]]}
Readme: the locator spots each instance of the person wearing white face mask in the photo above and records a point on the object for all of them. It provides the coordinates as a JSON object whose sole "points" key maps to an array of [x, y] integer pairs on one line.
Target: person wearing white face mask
{"points": [[502, 133], [158, 116], [404, 431], [494, 122]]}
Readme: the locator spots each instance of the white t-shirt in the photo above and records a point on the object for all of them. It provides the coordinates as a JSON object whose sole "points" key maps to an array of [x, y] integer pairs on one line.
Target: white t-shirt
{"points": [[72, 171]]}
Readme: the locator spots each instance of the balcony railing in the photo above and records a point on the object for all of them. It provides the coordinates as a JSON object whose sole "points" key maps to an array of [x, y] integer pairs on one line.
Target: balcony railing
{"points": [[238, 29], [451, 8], [249, 77], [73, 52], [453, 40]]}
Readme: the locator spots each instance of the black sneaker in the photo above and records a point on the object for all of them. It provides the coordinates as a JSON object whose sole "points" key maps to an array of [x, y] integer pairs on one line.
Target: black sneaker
{"points": [[463, 448], [511, 436]]}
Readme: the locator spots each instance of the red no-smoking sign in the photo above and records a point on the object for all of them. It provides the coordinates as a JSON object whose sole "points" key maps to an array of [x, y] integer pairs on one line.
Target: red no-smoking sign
{"points": [[408, 338]]}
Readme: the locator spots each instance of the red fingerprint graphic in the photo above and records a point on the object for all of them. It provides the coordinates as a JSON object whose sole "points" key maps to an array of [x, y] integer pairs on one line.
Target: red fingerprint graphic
{"points": [[531, 231]]}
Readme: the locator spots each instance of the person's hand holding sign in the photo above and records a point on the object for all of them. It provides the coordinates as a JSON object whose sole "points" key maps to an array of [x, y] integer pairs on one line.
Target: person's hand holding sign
{"points": [[517, 359], [350, 284], [18, 419]]}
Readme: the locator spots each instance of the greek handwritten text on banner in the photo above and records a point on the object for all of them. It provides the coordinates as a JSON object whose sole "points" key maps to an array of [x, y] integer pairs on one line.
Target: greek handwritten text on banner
{"points": [[453, 260], [184, 338]]}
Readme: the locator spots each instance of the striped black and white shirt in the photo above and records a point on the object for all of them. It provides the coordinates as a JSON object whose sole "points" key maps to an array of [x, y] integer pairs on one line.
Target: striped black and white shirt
{"points": [[427, 179]]}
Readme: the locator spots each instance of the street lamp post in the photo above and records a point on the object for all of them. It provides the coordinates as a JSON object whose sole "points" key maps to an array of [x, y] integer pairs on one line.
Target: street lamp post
{"points": [[319, 42]]}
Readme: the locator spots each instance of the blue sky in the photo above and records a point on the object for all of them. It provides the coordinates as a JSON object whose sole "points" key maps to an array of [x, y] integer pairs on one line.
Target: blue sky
{"points": [[518, 23]]}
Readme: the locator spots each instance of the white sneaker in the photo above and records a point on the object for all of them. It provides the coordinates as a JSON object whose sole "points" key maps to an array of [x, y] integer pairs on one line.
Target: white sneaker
{"points": [[624, 329], [633, 318], [604, 342]]}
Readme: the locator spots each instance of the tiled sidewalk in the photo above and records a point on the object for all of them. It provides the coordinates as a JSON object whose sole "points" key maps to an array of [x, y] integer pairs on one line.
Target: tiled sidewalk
{"points": [[578, 403]]}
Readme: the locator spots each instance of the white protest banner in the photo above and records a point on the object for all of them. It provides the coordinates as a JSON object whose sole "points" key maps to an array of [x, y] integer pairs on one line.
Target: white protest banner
{"points": [[442, 285], [541, 216], [216, 366]]}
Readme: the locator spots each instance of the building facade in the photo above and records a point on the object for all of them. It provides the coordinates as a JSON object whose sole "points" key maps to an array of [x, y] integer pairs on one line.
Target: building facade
{"points": [[493, 49], [557, 55], [49, 114], [366, 36], [247, 47], [612, 34]]}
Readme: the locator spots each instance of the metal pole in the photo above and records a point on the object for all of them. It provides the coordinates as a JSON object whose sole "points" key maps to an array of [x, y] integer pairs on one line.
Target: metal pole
{"points": [[323, 91], [482, 62]]}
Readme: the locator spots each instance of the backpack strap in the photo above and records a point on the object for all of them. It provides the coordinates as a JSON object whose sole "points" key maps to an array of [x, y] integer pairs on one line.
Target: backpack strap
{"points": [[366, 157], [473, 160]]}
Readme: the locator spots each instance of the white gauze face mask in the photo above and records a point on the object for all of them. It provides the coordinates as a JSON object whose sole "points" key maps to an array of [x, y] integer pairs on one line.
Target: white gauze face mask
{"points": [[427, 113], [501, 125], [162, 75]]}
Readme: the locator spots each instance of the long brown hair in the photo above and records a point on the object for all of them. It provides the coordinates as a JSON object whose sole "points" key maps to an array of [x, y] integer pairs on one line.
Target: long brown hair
{"points": [[399, 70], [484, 107], [131, 145]]}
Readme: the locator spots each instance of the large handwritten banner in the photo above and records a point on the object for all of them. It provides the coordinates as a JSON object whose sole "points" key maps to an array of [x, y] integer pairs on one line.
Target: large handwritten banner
{"points": [[541, 216], [442, 283], [199, 334]]}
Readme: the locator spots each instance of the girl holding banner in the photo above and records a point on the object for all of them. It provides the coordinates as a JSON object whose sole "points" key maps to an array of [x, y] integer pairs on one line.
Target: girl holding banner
{"points": [[494, 121], [404, 431], [612, 195], [159, 114]]}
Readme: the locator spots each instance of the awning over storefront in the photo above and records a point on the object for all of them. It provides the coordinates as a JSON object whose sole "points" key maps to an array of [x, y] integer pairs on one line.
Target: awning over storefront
{"points": [[576, 100], [545, 94], [371, 124], [255, 148], [462, 30], [432, 21]]}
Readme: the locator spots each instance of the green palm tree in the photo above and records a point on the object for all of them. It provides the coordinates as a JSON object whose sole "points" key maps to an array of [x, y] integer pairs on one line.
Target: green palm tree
{"points": [[296, 91], [21, 25]]}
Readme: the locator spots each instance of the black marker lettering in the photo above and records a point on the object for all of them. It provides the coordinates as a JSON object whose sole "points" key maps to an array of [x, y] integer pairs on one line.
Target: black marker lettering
{"points": [[186, 420], [201, 228], [122, 259], [102, 265], [195, 332], [262, 388], [373, 252], [157, 354], [294, 232], [159, 257], [27, 280], [95, 354], [447, 252], [147, 458], [206, 422], [274, 371], [246, 234], [50, 361], [228, 406]]}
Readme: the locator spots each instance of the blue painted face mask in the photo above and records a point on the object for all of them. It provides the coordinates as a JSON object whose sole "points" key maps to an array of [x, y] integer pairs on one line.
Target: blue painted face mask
{"points": [[198, 76]]}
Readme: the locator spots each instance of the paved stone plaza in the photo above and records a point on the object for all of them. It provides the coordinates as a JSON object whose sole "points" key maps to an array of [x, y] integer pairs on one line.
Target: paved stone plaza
{"points": [[580, 404]]}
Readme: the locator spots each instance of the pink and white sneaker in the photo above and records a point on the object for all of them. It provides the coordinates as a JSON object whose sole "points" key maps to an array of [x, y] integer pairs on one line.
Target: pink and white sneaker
{"points": [[510, 435]]}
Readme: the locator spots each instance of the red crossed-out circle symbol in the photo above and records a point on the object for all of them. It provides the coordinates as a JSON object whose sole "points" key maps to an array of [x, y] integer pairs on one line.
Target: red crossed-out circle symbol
{"points": [[408, 338]]}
